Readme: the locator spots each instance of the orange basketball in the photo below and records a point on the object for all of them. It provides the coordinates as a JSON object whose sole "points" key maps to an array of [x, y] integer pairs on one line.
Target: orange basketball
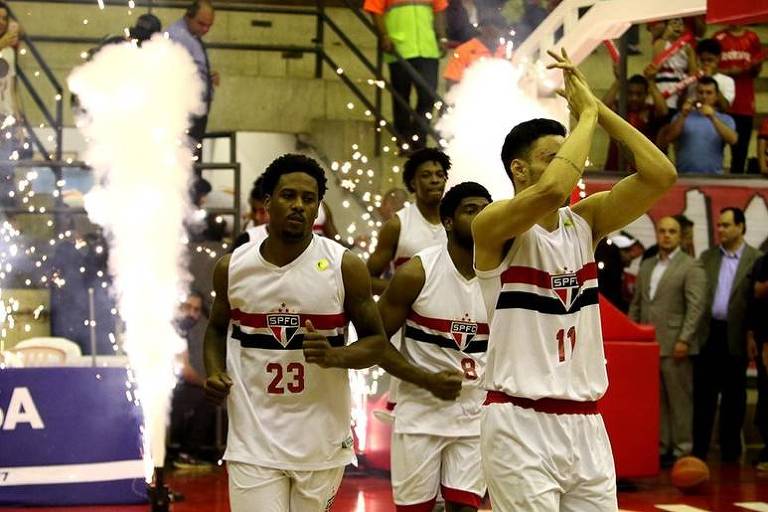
{"points": [[689, 474]]}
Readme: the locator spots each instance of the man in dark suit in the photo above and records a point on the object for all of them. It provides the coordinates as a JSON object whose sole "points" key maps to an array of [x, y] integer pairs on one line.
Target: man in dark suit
{"points": [[722, 362], [670, 295]]}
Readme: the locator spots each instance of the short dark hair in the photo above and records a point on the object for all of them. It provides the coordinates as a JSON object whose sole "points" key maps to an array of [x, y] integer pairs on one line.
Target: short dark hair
{"points": [[4, 5], [257, 192], [738, 216], [708, 80], [685, 222], [453, 197], [638, 80], [420, 156], [195, 6], [519, 140], [146, 25], [293, 162], [709, 46]]}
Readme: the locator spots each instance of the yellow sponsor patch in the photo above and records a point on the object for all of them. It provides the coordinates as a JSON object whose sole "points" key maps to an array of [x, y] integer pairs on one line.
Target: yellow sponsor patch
{"points": [[323, 264]]}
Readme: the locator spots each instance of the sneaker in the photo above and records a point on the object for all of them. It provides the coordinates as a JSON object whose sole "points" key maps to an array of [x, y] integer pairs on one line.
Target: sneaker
{"points": [[187, 462], [384, 416]]}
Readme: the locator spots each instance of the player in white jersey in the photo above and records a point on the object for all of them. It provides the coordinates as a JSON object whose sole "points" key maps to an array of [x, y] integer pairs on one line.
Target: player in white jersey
{"points": [[417, 226], [413, 228], [275, 349], [436, 444], [543, 443]]}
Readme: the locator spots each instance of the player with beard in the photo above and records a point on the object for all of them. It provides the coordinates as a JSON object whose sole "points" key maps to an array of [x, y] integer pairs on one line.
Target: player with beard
{"points": [[415, 227], [275, 349], [544, 446], [435, 443]]}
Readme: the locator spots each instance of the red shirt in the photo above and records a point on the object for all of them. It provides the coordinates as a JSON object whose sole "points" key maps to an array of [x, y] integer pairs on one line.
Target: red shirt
{"points": [[740, 51], [465, 55], [645, 122]]}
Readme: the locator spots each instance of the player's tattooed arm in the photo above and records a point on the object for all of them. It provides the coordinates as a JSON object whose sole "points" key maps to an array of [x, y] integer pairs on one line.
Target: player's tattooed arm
{"points": [[634, 195], [503, 220], [215, 343], [384, 253]]}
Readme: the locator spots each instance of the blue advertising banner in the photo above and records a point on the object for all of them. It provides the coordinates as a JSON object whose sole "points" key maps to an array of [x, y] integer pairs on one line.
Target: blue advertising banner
{"points": [[69, 436]]}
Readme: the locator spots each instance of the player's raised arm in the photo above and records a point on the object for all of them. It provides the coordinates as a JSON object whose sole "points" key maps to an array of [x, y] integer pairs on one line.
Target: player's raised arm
{"points": [[635, 194], [552, 168], [215, 343]]}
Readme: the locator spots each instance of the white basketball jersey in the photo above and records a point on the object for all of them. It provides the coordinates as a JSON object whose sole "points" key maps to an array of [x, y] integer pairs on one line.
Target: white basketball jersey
{"points": [[416, 233], [257, 234], [445, 330], [283, 412], [542, 304]]}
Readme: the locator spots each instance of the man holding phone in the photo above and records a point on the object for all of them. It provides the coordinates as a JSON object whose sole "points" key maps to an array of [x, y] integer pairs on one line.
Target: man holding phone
{"points": [[701, 132]]}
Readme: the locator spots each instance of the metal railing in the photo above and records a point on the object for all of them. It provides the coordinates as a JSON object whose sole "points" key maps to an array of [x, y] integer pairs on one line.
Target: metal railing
{"points": [[56, 119], [323, 20]]}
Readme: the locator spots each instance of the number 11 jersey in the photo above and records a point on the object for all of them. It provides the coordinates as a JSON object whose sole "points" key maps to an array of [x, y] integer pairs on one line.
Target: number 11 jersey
{"points": [[544, 315], [285, 413]]}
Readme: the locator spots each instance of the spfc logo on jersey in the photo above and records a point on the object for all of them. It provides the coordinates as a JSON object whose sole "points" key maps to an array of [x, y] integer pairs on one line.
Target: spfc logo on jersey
{"points": [[567, 287], [283, 326], [463, 333]]}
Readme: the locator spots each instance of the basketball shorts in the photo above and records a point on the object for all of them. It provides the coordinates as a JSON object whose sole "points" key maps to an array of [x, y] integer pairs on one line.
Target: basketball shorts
{"points": [[264, 489], [424, 465], [541, 462]]}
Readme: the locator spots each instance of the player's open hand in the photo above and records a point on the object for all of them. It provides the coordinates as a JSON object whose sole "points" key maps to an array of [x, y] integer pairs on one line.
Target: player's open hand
{"points": [[217, 387], [577, 92], [317, 349], [445, 385]]}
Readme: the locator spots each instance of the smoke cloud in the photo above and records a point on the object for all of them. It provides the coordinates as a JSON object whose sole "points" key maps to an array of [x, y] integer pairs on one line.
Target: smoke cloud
{"points": [[137, 102]]}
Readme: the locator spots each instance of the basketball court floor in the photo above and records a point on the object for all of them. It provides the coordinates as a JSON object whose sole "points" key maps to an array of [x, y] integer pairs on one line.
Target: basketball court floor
{"points": [[733, 488]]}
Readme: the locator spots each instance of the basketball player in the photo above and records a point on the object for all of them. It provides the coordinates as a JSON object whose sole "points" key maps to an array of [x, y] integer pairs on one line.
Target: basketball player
{"points": [[436, 444], [275, 349], [417, 226], [413, 228], [544, 446]]}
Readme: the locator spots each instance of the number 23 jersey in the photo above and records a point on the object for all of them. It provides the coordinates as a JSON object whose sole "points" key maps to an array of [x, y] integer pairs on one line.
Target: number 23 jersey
{"points": [[283, 412], [543, 308]]}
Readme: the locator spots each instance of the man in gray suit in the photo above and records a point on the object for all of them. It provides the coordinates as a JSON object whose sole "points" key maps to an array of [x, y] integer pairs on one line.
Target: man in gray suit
{"points": [[669, 294], [722, 362]]}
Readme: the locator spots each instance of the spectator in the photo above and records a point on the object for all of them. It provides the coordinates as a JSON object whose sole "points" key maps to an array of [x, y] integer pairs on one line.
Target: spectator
{"points": [[677, 66], [708, 53], [669, 294], [741, 59], [192, 416], [757, 350], [417, 32], [762, 147], [721, 367], [256, 223], [146, 26], [188, 31], [488, 43], [647, 118], [686, 239], [701, 131], [11, 121], [459, 29]]}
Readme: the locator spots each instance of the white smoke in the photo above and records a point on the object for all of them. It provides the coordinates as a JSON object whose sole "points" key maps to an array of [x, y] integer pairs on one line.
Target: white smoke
{"points": [[493, 96], [137, 103]]}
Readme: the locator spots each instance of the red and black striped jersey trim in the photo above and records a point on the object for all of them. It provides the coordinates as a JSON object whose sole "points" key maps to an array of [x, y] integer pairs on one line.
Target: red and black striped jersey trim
{"points": [[546, 305], [542, 279], [320, 322], [269, 342]]}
